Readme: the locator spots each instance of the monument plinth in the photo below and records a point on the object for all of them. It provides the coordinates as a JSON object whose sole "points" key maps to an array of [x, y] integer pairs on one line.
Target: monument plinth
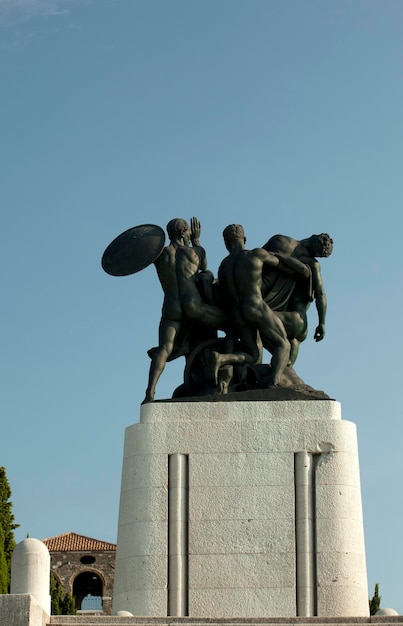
{"points": [[241, 509]]}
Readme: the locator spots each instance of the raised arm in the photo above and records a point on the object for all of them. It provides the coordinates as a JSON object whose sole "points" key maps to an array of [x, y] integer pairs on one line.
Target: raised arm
{"points": [[293, 265], [195, 230]]}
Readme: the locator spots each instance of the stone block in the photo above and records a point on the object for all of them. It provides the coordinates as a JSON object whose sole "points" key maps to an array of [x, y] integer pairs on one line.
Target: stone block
{"points": [[242, 469], [139, 505], [245, 536], [224, 411], [340, 569], [332, 535], [338, 502], [216, 603], [142, 539], [242, 571], [341, 468], [136, 572], [243, 502], [337, 601], [144, 470], [21, 610], [141, 602], [293, 436]]}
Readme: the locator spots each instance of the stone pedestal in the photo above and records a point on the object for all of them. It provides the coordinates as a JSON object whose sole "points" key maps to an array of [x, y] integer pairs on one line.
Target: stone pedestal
{"points": [[241, 509], [30, 571]]}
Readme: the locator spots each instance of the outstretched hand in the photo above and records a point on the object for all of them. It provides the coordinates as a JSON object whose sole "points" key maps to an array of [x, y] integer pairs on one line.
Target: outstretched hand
{"points": [[195, 230], [319, 332]]}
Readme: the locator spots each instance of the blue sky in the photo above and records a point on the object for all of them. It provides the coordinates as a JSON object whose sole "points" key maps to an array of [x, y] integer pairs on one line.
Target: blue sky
{"points": [[284, 116]]}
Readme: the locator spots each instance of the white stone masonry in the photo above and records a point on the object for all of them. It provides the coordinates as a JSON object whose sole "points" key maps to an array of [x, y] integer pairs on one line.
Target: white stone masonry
{"points": [[30, 571], [241, 509]]}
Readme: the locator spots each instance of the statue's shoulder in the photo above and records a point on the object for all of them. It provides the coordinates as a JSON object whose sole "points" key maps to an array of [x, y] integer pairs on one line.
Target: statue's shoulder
{"points": [[186, 252], [260, 253], [226, 263], [280, 243], [167, 257]]}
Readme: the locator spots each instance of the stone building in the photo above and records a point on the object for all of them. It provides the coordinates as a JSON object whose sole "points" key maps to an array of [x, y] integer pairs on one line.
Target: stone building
{"points": [[85, 567]]}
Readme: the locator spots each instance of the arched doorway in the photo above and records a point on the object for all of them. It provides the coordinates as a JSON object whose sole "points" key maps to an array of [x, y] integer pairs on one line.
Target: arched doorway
{"points": [[88, 591]]}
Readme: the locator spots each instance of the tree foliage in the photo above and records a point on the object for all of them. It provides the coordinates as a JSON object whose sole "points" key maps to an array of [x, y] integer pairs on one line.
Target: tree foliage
{"points": [[68, 605], [56, 595], [3, 565], [7, 523], [375, 601], [60, 604]]}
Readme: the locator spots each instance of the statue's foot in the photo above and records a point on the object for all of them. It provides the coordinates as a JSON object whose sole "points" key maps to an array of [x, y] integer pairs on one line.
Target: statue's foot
{"points": [[223, 390], [225, 376], [149, 398], [214, 364]]}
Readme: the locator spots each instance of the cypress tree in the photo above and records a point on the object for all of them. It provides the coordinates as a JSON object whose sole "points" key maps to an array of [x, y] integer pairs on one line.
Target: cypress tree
{"points": [[60, 605], [375, 602], [68, 605], [3, 565], [56, 594], [7, 520]]}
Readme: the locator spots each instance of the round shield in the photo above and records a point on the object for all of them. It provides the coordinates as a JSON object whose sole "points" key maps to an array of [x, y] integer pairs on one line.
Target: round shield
{"points": [[133, 250]]}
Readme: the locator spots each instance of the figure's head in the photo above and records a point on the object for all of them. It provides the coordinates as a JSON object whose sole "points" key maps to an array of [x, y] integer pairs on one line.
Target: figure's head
{"points": [[232, 234], [178, 229], [321, 245]]}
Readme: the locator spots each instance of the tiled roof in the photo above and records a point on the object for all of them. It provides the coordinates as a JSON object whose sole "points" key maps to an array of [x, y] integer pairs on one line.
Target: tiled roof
{"points": [[70, 542]]}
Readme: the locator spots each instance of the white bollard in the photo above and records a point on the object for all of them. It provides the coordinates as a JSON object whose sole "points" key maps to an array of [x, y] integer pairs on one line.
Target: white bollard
{"points": [[30, 571], [386, 611], [124, 614]]}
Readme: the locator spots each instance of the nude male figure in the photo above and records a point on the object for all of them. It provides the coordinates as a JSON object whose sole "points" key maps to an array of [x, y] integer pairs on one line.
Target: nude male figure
{"points": [[294, 316], [178, 267], [190, 262], [240, 279]]}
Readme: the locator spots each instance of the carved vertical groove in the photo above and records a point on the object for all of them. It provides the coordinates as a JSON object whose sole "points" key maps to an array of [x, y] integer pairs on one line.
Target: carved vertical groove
{"points": [[305, 534], [178, 508]]}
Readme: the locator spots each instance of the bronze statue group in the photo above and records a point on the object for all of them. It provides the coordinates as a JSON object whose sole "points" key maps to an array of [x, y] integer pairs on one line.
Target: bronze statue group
{"points": [[259, 300]]}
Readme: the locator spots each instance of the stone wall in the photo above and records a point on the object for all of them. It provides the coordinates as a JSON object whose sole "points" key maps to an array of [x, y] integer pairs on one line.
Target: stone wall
{"points": [[68, 565]]}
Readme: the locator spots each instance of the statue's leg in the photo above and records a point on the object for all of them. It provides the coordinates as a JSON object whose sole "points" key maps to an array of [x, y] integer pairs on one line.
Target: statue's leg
{"points": [[275, 340], [294, 351], [218, 361], [167, 333], [205, 314], [294, 323]]}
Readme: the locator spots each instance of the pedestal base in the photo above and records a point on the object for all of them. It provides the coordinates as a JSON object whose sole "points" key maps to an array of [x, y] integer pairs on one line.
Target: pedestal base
{"points": [[241, 509]]}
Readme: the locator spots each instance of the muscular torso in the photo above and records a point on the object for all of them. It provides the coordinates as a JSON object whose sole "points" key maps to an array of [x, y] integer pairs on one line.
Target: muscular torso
{"points": [[177, 269], [248, 277], [166, 270], [240, 276], [188, 264]]}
